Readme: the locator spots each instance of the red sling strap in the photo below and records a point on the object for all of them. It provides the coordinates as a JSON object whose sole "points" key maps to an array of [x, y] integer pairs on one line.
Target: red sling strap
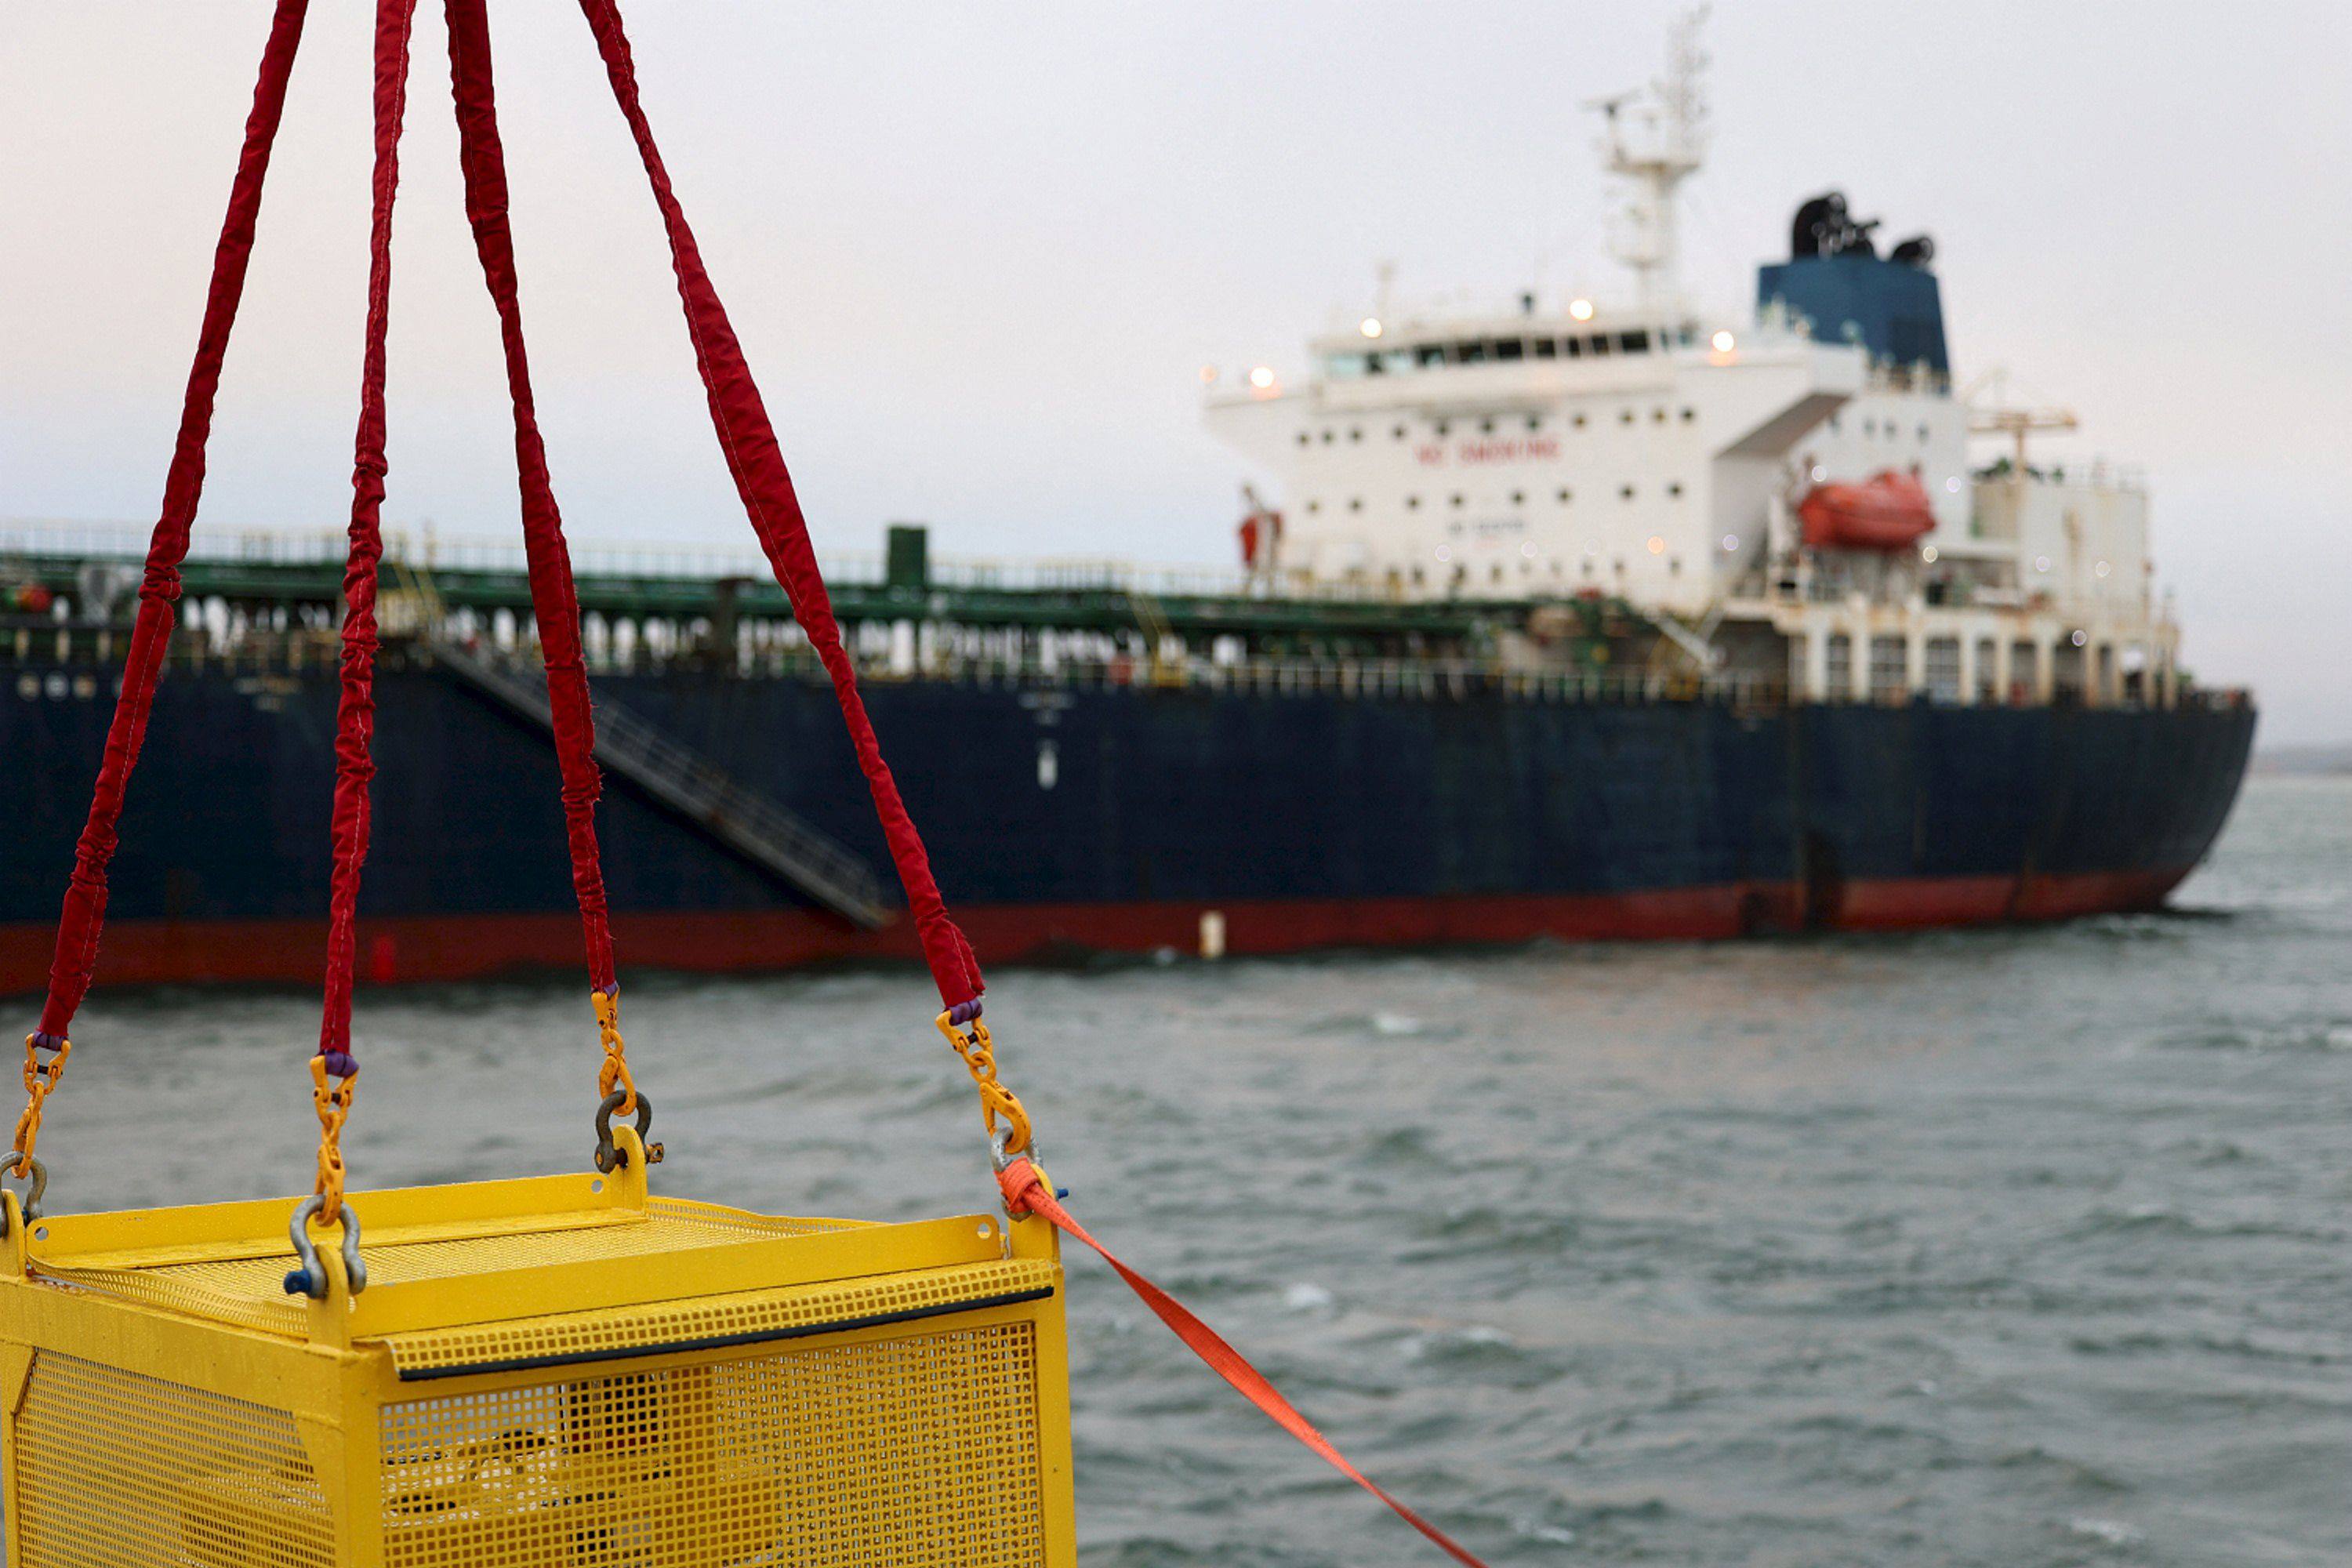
{"points": [[552, 597], [754, 457], [84, 915], [1026, 1192], [355, 713]]}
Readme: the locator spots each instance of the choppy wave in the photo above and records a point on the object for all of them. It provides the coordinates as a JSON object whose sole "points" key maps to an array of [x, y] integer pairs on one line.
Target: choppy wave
{"points": [[2007, 1249]]}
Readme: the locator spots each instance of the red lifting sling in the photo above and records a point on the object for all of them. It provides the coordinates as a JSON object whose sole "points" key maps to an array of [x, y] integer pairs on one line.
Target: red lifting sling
{"points": [[749, 442]]}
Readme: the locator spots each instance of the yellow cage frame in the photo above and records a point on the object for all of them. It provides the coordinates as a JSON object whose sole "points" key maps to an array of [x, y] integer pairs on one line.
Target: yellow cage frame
{"points": [[493, 1290]]}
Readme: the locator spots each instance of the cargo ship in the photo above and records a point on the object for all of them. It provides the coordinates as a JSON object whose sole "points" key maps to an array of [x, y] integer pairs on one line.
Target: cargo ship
{"points": [[1569, 618]]}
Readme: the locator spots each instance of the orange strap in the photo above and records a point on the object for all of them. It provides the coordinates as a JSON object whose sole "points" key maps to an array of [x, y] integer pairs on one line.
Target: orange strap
{"points": [[1026, 1193]]}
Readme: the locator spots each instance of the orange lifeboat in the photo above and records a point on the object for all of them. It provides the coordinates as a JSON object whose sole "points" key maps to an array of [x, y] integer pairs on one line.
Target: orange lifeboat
{"points": [[1887, 511]]}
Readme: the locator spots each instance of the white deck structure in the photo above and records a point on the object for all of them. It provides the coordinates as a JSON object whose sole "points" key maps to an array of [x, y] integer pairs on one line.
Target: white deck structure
{"points": [[1655, 452]]}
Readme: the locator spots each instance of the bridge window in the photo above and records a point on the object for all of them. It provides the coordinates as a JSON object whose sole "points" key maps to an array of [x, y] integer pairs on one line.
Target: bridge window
{"points": [[1546, 348], [1597, 346], [1470, 350], [1890, 667], [1510, 348], [1572, 347], [1426, 355], [1636, 343]]}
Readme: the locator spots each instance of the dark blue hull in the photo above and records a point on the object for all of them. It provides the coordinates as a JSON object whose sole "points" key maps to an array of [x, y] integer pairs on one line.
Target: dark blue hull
{"points": [[1064, 817]]}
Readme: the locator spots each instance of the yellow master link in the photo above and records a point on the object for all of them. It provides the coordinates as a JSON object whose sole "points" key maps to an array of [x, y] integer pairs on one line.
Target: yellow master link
{"points": [[332, 1100], [614, 1073], [40, 1079], [979, 1054]]}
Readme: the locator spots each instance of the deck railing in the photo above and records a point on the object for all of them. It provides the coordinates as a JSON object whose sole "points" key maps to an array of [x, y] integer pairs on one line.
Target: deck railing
{"points": [[39, 656]]}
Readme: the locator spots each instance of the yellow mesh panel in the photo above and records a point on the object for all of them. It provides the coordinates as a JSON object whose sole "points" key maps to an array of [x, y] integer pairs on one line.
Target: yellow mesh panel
{"points": [[117, 1470], [693, 1324], [914, 1452]]}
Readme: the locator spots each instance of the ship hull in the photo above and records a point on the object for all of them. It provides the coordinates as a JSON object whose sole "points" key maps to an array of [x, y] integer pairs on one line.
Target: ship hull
{"points": [[1066, 820]]}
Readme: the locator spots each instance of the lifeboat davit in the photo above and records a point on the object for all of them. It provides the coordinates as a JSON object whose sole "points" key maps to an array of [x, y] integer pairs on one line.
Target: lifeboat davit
{"points": [[1887, 511]]}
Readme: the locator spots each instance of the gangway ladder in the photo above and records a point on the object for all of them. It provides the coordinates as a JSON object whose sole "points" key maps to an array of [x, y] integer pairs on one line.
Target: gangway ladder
{"points": [[1157, 635], [751, 825]]}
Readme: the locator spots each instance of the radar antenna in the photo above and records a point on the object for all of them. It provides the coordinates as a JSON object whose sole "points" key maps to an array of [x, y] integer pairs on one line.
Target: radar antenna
{"points": [[1655, 138]]}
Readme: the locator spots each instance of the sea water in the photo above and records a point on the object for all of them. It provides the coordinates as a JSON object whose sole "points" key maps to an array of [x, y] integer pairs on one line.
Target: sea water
{"points": [[1999, 1248]]}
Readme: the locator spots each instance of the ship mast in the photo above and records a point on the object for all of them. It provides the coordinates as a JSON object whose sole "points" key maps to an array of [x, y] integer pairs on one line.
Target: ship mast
{"points": [[1656, 138]]}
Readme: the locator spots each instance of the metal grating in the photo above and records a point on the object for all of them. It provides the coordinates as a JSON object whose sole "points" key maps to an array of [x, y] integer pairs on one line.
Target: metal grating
{"points": [[709, 1322], [251, 1291], [114, 1469], [917, 1452]]}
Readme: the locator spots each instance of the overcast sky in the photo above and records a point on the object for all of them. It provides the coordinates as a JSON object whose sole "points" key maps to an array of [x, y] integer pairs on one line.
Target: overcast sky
{"points": [[979, 252]]}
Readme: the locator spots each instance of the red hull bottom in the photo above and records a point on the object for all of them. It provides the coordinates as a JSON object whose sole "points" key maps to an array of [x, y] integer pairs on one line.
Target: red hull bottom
{"points": [[459, 947]]}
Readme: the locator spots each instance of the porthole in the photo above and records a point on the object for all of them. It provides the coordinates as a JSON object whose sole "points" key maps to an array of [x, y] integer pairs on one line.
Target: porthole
{"points": [[1565, 495]]}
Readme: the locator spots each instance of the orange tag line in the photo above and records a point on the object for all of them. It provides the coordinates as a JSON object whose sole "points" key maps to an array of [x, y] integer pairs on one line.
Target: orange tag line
{"points": [[1024, 1193]]}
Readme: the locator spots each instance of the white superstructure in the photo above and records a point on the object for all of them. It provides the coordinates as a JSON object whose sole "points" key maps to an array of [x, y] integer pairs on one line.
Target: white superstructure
{"points": [[1659, 454]]}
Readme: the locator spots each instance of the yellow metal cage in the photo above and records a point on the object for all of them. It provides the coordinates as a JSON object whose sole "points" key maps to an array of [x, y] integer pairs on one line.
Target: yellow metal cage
{"points": [[563, 1372]]}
